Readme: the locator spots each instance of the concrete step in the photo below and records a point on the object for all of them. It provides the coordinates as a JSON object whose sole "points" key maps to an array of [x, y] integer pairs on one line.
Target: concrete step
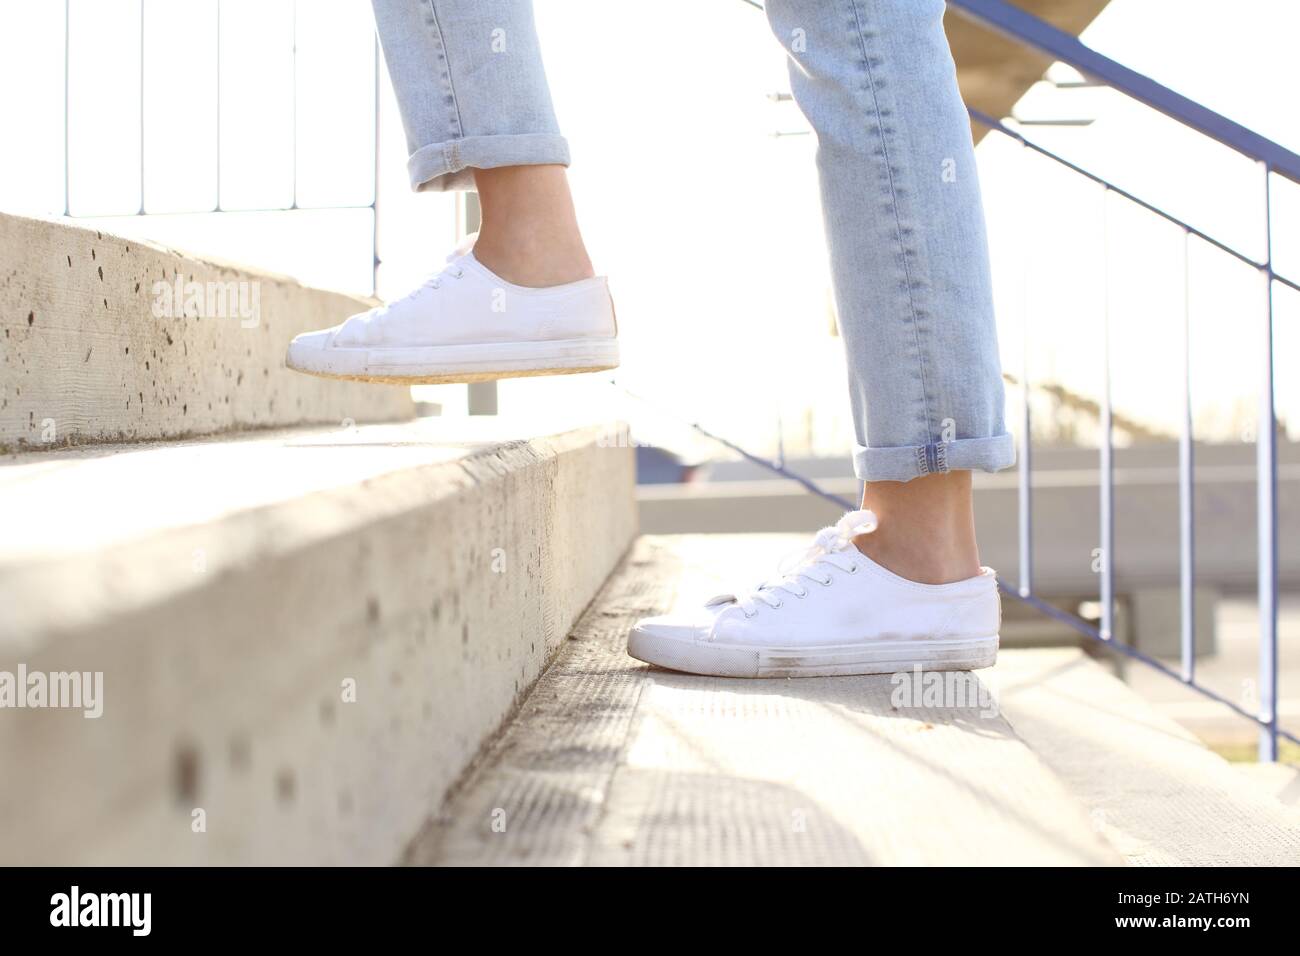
{"points": [[610, 761], [110, 339], [1159, 795], [304, 637]]}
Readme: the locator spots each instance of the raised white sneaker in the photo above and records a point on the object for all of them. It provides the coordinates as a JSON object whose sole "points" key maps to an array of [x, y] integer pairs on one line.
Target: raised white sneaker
{"points": [[834, 612], [466, 324]]}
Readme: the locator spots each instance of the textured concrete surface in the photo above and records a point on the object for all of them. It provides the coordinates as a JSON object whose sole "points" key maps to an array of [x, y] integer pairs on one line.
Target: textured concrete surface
{"points": [[611, 761], [235, 592], [86, 356], [1156, 792]]}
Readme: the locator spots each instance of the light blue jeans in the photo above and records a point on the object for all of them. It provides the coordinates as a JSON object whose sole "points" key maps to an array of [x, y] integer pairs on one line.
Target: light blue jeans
{"points": [[900, 196]]}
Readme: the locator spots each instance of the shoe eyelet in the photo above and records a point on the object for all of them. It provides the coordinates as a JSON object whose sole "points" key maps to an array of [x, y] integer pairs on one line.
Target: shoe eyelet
{"points": [[853, 569], [778, 604], [827, 583]]}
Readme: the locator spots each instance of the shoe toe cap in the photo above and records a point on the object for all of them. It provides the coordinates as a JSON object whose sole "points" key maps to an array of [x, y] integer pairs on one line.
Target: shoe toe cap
{"points": [[690, 626], [309, 345], [314, 340]]}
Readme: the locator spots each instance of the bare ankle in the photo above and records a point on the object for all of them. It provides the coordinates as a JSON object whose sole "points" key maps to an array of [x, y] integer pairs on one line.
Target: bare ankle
{"points": [[523, 260], [923, 564], [927, 528], [529, 234]]}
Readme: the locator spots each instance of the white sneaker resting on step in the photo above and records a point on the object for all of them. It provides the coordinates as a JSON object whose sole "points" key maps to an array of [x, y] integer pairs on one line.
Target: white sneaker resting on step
{"points": [[835, 611], [466, 324]]}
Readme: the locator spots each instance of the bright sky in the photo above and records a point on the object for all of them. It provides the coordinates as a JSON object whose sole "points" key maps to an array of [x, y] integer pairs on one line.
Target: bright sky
{"points": [[667, 112]]}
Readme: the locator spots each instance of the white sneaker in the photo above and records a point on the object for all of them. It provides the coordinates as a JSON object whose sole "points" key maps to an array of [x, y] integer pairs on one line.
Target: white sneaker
{"points": [[835, 612], [466, 324]]}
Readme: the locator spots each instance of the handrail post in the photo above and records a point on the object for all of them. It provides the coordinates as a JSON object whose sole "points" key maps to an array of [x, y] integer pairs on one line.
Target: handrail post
{"points": [[1266, 487], [374, 197], [1107, 464], [217, 86], [1186, 488], [67, 98], [1024, 497], [143, 3]]}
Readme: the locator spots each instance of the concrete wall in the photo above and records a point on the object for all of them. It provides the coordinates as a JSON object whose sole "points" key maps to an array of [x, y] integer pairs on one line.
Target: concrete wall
{"points": [[441, 589], [84, 357]]}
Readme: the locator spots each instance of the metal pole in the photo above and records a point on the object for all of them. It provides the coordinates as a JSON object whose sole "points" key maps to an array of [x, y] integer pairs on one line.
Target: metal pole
{"points": [[293, 97], [142, 6], [218, 88], [374, 199], [1107, 451], [1266, 483], [1024, 496], [67, 76], [1186, 489]]}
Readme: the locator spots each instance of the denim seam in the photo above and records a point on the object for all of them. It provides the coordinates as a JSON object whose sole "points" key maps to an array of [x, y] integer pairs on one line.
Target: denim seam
{"points": [[893, 195], [446, 76], [903, 463]]}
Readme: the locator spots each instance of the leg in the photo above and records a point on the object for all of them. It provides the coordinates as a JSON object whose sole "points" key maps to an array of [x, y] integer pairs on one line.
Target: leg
{"points": [[477, 112], [471, 88], [897, 585], [529, 233], [524, 301], [910, 268]]}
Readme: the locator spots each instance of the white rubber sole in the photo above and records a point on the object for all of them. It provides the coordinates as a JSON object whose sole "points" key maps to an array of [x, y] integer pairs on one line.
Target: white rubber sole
{"points": [[866, 657], [479, 362]]}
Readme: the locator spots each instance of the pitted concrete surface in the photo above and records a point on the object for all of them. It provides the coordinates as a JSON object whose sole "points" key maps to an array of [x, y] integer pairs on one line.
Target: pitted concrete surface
{"points": [[95, 346], [305, 638], [611, 761]]}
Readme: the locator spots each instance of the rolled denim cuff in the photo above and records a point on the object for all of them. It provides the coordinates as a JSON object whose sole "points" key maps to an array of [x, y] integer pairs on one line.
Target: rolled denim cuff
{"points": [[444, 166], [906, 462]]}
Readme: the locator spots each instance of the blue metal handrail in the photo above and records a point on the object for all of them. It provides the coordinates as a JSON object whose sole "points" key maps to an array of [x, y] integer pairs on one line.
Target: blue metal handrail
{"points": [[1028, 30], [999, 127]]}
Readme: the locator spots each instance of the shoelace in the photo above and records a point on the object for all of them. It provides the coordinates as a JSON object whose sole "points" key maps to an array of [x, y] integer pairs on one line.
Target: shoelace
{"points": [[378, 314], [435, 281], [827, 551], [451, 268]]}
